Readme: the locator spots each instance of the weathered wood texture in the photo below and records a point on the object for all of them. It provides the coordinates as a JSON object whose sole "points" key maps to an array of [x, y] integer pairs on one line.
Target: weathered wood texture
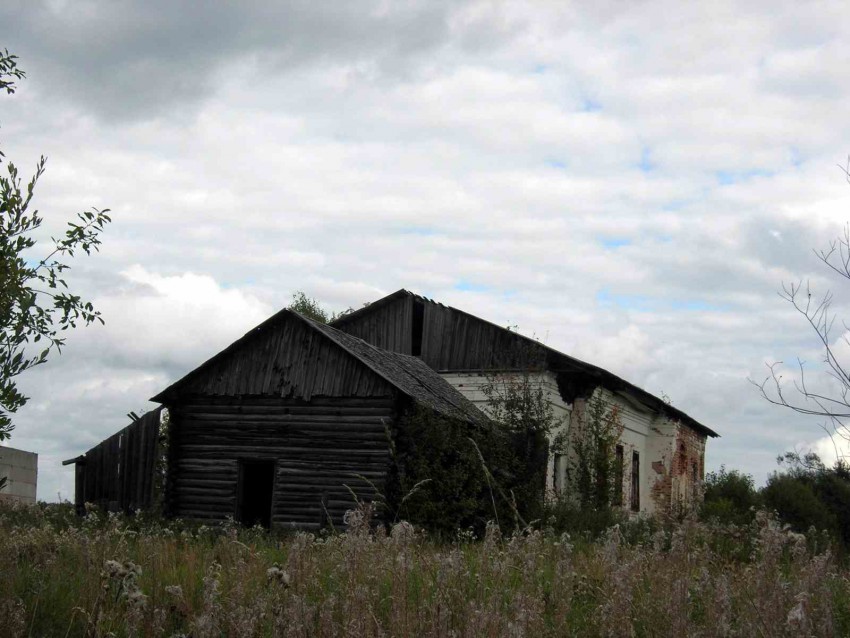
{"points": [[451, 339], [118, 473], [318, 446], [387, 326], [286, 358]]}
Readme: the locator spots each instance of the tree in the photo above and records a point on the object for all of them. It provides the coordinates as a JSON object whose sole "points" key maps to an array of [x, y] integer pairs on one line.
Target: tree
{"points": [[596, 471], [310, 308], [36, 304], [730, 497], [830, 400]]}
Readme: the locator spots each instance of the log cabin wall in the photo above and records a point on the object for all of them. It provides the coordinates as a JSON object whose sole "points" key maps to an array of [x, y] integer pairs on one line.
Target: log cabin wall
{"points": [[317, 447], [288, 396]]}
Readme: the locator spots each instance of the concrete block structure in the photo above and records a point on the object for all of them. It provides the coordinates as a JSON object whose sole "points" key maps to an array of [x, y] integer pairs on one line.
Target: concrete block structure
{"points": [[20, 469]]}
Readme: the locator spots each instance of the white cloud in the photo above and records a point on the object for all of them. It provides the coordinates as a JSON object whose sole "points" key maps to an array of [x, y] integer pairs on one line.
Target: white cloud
{"points": [[480, 153]]}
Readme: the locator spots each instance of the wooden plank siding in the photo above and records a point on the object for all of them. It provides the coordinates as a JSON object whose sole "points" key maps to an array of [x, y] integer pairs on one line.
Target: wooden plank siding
{"points": [[317, 446], [451, 340], [286, 359], [118, 473], [387, 326]]}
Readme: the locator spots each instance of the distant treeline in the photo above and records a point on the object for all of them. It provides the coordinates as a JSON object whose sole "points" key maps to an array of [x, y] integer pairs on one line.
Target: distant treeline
{"points": [[804, 493]]}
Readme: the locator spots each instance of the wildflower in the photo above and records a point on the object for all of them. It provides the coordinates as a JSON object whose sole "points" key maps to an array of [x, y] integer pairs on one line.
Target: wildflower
{"points": [[174, 590], [113, 569], [403, 533], [135, 598], [797, 616], [277, 575]]}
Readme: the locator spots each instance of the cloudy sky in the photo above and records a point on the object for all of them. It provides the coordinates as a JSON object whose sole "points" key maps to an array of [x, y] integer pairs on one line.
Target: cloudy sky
{"points": [[631, 183]]}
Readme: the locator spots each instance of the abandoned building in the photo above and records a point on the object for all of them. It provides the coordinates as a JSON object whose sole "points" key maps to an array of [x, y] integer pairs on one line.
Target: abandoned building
{"points": [[20, 469], [282, 427], [287, 424], [662, 449]]}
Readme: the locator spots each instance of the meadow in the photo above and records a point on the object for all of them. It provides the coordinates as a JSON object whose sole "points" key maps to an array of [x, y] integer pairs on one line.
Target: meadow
{"points": [[110, 575]]}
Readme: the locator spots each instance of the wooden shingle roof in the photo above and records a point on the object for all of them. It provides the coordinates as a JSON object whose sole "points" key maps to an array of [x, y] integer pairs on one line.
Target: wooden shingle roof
{"points": [[408, 375]]}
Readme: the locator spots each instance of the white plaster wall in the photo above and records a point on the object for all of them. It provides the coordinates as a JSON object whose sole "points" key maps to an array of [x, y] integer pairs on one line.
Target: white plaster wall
{"points": [[645, 431], [470, 383], [637, 422], [21, 471]]}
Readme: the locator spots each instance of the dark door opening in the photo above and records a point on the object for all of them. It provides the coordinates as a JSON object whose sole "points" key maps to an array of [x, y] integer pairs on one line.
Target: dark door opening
{"points": [[256, 484]]}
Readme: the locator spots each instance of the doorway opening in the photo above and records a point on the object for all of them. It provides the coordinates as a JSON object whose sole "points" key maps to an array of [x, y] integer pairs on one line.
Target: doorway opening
{"points": [[256, 485]]}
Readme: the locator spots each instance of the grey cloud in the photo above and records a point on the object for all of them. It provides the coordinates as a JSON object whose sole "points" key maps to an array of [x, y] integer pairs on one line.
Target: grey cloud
{"points": [[127, 60]]}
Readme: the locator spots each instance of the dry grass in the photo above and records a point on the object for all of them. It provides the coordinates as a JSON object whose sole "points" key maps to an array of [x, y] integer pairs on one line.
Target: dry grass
{"points": [[61, 576]]}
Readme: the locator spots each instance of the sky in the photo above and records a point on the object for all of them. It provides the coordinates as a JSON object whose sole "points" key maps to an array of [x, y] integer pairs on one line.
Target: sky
{"points": [[631, 183]]}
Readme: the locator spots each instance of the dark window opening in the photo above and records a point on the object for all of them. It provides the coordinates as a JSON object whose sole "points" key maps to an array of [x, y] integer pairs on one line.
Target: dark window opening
{"points": [[256, 485], [635, 482], [417, 327], [618, 476]]}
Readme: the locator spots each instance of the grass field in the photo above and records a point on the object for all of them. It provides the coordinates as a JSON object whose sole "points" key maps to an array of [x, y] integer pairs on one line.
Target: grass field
{"points": [[98, 576]]}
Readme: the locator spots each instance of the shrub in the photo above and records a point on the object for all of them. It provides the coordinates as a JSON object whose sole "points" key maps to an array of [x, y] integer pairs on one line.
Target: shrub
{"points": [[440, 481], [794, 499], [730, 497]]}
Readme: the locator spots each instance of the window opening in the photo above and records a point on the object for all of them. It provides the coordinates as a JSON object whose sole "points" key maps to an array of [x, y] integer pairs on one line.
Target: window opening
{"points": [[618, 476], [635, 482], [256, 486]]}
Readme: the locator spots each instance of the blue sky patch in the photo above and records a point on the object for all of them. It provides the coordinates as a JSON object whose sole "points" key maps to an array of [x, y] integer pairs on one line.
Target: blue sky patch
{"points": [[612, 243], [467, 286], [726, 178], [422, 231], [646, 164], [642, 303], [590, 106]]}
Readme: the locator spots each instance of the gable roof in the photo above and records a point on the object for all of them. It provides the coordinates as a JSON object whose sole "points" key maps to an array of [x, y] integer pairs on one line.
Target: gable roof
{"points": [[555, 360], [407, 374]]}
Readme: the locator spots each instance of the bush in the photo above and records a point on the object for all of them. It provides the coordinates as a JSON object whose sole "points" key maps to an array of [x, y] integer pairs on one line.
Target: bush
{"points": [[730, 497], [566, 516], [440, 482], [796, 502]]}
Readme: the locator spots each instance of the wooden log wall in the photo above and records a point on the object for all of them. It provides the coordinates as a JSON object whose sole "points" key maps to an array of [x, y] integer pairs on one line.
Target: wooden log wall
{"points": [[118, 474], [317, 446]]}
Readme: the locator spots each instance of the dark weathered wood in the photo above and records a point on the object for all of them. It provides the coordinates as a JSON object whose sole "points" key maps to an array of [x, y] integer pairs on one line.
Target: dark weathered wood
{"points": [[272, 363], [117, 473], [318, 447]]}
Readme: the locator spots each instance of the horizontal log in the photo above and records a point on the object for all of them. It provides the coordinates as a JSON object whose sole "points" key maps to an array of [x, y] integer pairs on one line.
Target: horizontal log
{"points": [[180, 496], [205, 418], [203, 452], [218, 402], [295, 438], [183, 490]]}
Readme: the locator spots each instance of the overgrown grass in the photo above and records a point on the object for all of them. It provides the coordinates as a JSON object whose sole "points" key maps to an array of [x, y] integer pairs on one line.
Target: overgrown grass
{"points": [[99, 576]]}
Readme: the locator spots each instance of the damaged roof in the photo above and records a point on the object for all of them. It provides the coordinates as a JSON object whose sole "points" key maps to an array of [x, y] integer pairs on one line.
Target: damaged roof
{"points": [[407, 374]]}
